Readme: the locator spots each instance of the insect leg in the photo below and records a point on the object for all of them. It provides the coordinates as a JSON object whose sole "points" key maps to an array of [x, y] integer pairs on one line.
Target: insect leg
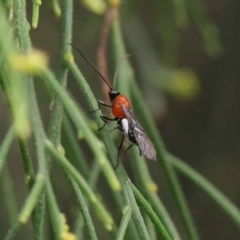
{"points": [[114, 129], [124, 152], [140, 152], [119, 149], [101, 103], [105, 119]]}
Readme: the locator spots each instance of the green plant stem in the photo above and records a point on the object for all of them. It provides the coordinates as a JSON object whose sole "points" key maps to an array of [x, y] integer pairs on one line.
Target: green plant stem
{"points": [[9, 196], [20, 25], [27, 163], [39, 137], [168, 30], [93, 176], [17, 87], [35, 12], [69, 169], [76, 153], [150, 227], [56, 8], [32, 198], [5, 146], [39, 134], [12, 231], [231, 209], [55, 215], [181, 14], [152, 215], [162, 213], [129, 198], [84, 210], [54, 130], [207, 28], [21, 31], [124, 223]]}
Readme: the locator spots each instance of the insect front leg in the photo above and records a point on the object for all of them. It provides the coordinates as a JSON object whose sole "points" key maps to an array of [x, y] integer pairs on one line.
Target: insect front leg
{"points": [[101, 103]]}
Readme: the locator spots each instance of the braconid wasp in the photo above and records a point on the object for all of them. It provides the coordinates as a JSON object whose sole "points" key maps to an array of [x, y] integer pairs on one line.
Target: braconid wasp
{"points": [[126, 121]]}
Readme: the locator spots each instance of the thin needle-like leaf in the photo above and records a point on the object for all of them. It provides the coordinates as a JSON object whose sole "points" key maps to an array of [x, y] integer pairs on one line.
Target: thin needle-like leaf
{"points": [[124, 223]]}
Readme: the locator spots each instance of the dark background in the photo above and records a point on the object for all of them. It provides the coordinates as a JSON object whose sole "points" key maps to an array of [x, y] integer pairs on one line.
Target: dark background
{"points": [[204, 130]]}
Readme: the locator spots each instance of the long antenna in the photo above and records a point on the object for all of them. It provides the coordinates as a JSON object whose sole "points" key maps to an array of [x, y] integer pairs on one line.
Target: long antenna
{"points": [[92, 66], [117, 69]]}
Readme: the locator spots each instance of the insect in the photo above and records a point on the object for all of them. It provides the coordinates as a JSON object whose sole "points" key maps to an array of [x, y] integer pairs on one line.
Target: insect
{"points": [[126, 121]]}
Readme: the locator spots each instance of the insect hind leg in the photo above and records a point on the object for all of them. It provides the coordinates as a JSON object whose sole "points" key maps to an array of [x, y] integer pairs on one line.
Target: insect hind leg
{"points": [[140, 152], [124, 152], [119, 149]]}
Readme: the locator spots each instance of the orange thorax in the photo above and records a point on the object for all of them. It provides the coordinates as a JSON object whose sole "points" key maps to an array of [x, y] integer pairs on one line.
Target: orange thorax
{"points": [[117, 103]]}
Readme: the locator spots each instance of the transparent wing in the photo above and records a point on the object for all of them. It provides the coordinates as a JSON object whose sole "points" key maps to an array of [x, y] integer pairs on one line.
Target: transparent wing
{"points": [[144, 143]]}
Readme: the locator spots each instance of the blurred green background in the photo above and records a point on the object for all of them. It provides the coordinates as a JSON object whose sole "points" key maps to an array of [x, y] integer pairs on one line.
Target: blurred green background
{"points": [[186, 61]]}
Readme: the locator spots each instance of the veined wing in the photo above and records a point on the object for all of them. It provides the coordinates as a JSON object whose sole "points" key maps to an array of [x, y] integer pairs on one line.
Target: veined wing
{"points": [[144, 143]]}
